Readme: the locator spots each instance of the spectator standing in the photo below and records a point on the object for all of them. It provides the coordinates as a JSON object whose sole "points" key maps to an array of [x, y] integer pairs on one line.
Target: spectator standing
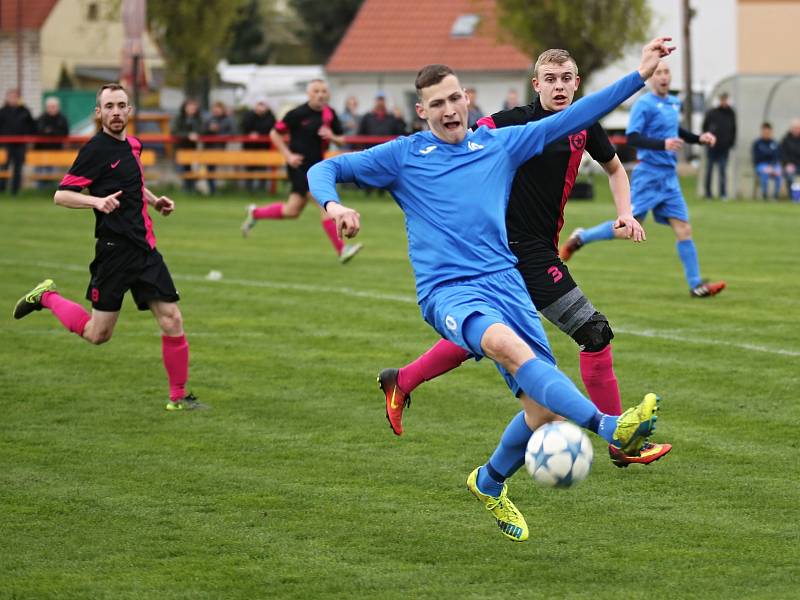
{"points": [[51, 123], [402, 126], [790, 155], [721, 121], [257, 122], [188, 126], [512, 99], [379, 121], [15, 119], [766, 161], [474, 112], [350, 118], [218, 123]]}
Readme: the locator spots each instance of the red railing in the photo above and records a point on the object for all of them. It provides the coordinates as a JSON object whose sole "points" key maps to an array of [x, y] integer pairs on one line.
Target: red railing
{"points": [[158, 138]]}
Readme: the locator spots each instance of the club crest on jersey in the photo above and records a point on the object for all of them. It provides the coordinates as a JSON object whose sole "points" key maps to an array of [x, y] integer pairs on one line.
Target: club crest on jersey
{"points": [[577, 142], [428, 150], [473, 146], [450, 323]]}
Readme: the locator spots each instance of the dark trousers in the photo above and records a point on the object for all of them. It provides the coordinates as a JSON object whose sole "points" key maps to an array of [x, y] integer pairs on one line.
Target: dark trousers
{"points": [[717, 158], [16, 159]]}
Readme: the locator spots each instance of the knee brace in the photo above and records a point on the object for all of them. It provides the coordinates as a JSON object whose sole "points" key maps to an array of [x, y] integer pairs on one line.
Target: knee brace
{"points": [[595, 334]]}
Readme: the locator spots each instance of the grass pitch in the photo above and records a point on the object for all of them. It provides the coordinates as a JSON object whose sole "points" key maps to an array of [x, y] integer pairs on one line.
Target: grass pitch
{"points": [[293, 486]]}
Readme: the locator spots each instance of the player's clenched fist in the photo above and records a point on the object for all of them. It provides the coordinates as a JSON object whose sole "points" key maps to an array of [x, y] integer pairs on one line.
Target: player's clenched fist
{"points": [[348, 221], [109, 203]]}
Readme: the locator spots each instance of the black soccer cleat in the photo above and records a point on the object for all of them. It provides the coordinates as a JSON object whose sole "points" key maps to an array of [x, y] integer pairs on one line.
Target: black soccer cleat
{"points": [[707, 289], [33, 300]]}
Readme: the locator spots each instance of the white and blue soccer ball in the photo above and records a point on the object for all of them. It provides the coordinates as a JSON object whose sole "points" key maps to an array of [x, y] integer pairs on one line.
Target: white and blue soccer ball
{"points": [[559, 454]]}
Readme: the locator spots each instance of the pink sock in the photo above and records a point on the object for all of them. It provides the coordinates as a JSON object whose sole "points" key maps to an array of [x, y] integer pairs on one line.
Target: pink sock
{"points": [[444, 356], [269, 211], [71, 314], [175, 352], [329, 225], [597, 372]]}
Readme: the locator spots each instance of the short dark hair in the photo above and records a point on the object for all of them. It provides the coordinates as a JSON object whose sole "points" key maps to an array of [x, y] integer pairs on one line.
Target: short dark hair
{"points": [[108, 86], [766, 125], [431, 75]]}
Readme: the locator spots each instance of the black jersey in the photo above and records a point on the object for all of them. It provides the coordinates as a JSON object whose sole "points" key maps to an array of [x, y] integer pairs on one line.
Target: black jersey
{"points": [[302, 124], [542, 185], [106, 165]]}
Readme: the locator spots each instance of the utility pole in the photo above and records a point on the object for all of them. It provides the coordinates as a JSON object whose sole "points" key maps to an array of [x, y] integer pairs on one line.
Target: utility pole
{"points": [[688, 14]]}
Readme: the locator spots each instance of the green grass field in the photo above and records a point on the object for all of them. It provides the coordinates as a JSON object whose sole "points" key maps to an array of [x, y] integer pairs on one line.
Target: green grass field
{"points": [[293, 486]]}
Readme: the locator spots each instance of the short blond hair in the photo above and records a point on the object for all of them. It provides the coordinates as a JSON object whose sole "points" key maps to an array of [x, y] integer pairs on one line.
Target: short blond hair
{"points": [[555, 56]]}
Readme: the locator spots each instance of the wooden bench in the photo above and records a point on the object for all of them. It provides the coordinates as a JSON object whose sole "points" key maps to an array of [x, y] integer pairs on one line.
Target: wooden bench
{"points": [[61, 160], [229, 164]]}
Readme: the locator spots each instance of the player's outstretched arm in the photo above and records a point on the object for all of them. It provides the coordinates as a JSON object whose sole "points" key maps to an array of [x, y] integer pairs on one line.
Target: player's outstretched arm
{"points": [[625, 226], [652, 54], [377, 167], [71, 199], [588, 110], [322, 180]]}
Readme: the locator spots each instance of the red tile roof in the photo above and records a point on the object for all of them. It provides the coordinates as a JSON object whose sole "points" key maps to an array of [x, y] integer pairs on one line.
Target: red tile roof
{"points": [[32, 14], [403, 35]]}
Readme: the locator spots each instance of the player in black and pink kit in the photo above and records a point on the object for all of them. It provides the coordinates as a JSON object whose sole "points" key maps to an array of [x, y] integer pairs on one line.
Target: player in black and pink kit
{"points": [[311, 127], [534, 219], [126, 258]]}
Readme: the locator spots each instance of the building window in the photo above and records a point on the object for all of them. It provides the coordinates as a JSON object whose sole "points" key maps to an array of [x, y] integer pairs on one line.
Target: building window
{"points": [[464, 25], [92, 11]]}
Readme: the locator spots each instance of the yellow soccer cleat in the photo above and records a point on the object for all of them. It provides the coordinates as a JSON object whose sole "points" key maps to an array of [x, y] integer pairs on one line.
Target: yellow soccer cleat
{"points": [[189, 402], [635, 425], [510, 521]]}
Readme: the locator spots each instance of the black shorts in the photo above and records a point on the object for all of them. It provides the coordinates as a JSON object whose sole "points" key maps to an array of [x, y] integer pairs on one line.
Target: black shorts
{"points": [[547, 278], [553, 290], [298, 178], [120, 265]]}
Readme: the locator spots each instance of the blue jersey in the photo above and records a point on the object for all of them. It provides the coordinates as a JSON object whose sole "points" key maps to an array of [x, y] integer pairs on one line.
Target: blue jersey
{"points": [[454, 196], [659, 118]]}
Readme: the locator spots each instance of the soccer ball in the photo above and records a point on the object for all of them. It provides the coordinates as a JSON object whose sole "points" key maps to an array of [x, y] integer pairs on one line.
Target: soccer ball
{"points": [[559, 454]]}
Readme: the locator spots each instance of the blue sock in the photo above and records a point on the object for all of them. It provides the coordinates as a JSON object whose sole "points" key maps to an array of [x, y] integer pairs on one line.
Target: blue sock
{"points": [[554, 390], [691, 266], [598, 233], [608, 424], [508, 457]]}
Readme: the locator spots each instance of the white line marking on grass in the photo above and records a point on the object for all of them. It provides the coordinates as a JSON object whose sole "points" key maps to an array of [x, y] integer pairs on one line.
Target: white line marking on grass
{"points": [[665, 335], [351, 292]]}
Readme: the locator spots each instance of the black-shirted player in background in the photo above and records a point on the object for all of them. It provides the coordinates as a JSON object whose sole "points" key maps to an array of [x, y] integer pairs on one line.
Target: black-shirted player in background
{"points": [[311, 127], [126, 258], [534, 219]]}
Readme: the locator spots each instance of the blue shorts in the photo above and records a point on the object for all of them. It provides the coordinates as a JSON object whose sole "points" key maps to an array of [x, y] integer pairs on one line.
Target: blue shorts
{"points": [[660, 191], [500, 296]]}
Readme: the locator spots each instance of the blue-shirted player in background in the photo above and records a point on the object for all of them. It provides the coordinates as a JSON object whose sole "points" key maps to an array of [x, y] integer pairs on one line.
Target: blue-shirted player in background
{"points": [[654, 129], [453, 187]]}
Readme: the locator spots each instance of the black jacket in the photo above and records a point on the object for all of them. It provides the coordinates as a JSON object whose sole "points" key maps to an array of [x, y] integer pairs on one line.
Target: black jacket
{"points": [[52, 125], [790, 150], [16, 120], [722, 123]]}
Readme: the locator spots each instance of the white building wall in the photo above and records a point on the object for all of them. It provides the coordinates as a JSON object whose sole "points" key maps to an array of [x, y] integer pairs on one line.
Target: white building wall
{"points": [[31, 68], [714, 48], [713, 44]]}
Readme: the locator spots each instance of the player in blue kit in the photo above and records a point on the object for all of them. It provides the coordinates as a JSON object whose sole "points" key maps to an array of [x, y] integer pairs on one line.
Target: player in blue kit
{"points": [[654, 129], [453, 187]]}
